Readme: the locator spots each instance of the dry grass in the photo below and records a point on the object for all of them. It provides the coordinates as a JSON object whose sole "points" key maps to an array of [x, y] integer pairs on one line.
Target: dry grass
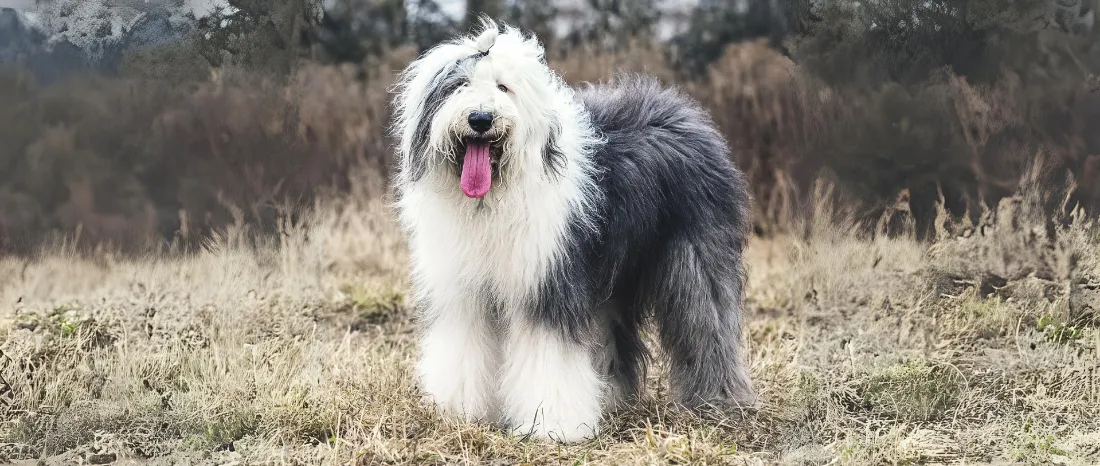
{"points": [[299, 351]]}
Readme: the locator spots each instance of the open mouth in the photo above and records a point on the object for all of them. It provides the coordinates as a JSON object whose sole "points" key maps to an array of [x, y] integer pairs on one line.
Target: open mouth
{"points": [[479, 161]]}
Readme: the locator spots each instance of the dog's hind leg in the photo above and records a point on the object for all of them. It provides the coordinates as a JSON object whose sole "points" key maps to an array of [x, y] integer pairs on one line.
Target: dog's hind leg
{"points": [[696, 291], [622, 355]]}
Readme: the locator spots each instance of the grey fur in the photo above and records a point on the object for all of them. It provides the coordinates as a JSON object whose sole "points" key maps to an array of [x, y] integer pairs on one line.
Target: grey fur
{"points": [[552, 154], [449, 80], [673, 220]]}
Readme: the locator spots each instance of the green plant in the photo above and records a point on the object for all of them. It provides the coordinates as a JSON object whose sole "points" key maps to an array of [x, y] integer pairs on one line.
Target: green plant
{"points": [[914, 390]]}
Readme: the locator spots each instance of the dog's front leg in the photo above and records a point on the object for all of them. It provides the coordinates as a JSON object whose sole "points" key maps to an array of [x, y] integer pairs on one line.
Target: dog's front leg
{"points": [[550, 387], [459, 358]]}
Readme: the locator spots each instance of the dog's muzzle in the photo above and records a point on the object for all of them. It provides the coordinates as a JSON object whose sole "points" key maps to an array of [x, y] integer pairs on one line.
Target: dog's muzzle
{"points": [[480, 122], [477, 163]]}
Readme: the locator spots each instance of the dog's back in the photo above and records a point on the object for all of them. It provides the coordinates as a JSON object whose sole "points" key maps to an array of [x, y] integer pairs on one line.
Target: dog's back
{"points": [[674, 223]]}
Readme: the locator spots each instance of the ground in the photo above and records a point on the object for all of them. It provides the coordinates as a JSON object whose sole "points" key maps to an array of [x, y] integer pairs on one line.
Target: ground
{"points": [[980, 347]]}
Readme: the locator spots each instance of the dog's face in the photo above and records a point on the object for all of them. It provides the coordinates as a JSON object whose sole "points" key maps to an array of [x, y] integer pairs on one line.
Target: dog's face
{"points": [[477, 110]]}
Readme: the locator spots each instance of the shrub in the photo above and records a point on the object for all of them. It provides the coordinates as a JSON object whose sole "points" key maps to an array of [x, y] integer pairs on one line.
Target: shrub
{"points": [[253, 115]]}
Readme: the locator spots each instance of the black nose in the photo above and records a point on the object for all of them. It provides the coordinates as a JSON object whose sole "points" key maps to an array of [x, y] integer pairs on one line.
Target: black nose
{"points": [[481, 121]]}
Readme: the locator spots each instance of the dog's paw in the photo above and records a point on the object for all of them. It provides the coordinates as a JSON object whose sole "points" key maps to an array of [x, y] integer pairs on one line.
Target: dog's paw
{"points": [[465, 400], [558, 430], [462, 406], [457, 388], [741, 405]]}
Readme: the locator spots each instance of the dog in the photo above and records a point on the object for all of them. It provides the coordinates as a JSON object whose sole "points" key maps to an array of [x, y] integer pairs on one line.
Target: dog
{"points": [[546, 225]]}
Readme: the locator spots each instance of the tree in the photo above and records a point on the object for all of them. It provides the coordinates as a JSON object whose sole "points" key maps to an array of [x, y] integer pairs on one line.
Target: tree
{"points": [[428, 24], [351, 30], [610, 23], [476, 8], [257, 33], [715, 24], [536, 16]]}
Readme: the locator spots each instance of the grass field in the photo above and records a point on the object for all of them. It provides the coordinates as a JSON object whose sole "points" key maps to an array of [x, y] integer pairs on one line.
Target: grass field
{"points": [[979, 348]]}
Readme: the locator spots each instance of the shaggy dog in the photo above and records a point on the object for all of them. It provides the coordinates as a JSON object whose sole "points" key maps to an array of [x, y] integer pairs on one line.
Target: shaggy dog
{"points": [[546, 224]]}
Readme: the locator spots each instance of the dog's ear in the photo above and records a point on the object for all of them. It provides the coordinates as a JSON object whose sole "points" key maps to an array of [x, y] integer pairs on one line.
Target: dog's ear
{"points": [[553, 157], [444, 83]]}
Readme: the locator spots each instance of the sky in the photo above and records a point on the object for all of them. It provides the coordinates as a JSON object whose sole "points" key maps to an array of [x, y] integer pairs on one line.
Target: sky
{"points": [[16, 4], [457, 9], [45, 15]]}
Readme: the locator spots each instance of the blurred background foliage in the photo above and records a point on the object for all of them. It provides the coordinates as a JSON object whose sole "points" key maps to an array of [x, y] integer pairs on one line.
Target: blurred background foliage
{"points": [[154, 123]]}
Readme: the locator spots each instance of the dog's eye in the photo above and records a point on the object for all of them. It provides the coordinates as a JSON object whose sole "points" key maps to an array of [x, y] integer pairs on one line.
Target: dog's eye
{"points": [[502, 88]]}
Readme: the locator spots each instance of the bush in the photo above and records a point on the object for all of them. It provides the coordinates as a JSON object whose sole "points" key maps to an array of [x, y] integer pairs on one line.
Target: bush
{"points": [[130, 160], [264, 107]]}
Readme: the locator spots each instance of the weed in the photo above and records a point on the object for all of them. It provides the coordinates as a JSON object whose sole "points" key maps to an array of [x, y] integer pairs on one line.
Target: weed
{"points": [[983, 318], [1057, 330], [915, 390]]}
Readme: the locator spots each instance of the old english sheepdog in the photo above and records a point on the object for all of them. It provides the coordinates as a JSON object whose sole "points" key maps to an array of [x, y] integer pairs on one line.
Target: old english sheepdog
{"points": [[545, 224]]}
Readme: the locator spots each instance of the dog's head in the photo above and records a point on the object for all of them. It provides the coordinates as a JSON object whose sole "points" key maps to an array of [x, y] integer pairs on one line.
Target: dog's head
{"points": [[479, 109]]}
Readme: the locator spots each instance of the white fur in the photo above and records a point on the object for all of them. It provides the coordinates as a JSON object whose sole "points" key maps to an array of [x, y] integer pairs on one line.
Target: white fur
{"points": [[502, 245], [459, 360], [551, 387]]}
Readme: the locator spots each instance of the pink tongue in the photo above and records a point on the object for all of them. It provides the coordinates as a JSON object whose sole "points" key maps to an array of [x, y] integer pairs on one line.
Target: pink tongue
{"points": [[476, 172]]}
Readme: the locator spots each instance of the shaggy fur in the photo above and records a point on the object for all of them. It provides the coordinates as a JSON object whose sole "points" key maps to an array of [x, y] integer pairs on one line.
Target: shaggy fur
{"points": [[607, 205]]}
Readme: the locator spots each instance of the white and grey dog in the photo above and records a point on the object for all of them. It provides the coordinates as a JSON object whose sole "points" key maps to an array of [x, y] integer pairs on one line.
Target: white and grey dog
{"points": [[545, 224]]}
